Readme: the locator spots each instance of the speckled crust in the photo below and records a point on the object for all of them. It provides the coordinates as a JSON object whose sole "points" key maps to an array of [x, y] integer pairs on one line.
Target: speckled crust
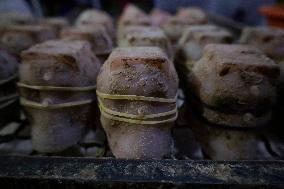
{"points": [[185, 17], [58, 63], [8, 68], [269, 40], [194, 38], [132, 16], [228, 144], [98, 37], [144, 71], [16, 38], [145, 36], [235, 77], [58, 23], [96, 18]]}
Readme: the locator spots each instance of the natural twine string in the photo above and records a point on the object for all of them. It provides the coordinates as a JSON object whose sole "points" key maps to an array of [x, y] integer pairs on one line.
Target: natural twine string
{"points": [[137, 119]]}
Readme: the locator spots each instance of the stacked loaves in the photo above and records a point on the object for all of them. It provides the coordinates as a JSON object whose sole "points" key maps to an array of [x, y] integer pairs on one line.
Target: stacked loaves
{"points": [[72, 80]]}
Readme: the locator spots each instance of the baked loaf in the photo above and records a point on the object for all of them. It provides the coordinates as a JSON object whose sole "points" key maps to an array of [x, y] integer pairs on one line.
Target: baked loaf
{"points": [[231, 91], [96, 18], [132, 16], [9, 106], [194, 38], [16, 38], [145, 36], [269, 40], [159, 17], [98, 37], [136, 90], [235, 79], [57, 82], [175, 25]]}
